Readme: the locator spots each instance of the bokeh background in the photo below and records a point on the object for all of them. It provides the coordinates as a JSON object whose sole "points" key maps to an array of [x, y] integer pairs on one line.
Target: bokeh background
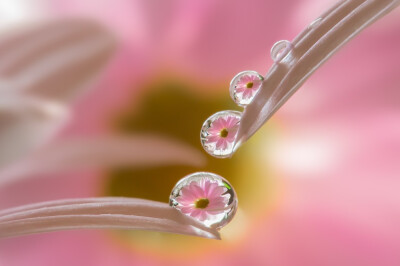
{"points": [[317, 185]]}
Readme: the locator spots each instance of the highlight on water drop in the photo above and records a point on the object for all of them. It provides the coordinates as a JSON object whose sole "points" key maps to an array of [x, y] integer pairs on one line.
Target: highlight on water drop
{"points": [[314, 23], [244, 86], [206, 197], [280, 50], [218, 133]]}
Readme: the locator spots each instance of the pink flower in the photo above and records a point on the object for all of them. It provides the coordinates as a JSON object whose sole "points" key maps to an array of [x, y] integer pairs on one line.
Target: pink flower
{"points": [[328, 160], [248, 85], [202, 199], [223, 131]]}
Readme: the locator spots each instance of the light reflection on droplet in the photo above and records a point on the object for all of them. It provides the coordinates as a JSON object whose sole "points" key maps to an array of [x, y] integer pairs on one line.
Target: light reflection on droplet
{"points": [[206, 197], [280, 50], [218, 133], [244, 86], [315, 23]]}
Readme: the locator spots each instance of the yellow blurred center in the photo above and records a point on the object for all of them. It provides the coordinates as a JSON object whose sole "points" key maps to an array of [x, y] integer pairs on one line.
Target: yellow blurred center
{"points": [[176, 109], [249, 85], [201, 203], [224, 133]]}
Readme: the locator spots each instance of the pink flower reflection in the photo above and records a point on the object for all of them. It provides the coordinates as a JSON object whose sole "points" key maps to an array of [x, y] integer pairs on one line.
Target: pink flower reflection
{"points": [[248, 85], [202, 199], [223, 132]]}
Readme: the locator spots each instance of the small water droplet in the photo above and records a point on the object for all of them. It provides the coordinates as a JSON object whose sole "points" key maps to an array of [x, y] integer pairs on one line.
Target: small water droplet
{"points": [[206, 197], [315, 23], [244, 87], [280, 49], [218, 133]]}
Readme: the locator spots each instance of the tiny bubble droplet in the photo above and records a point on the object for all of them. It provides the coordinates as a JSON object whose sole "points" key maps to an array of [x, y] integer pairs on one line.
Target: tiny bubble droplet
{"points": [[244, 86], [206, 197], [218, 133], [280, 49], [315, 23]]}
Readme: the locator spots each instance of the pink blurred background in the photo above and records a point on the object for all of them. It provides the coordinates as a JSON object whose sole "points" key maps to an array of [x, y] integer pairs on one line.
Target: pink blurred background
{"points": [[318, 185]]}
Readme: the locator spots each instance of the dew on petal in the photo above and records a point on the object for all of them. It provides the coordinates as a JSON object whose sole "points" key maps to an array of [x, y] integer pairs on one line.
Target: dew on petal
{"points": [[206, 197], [244, 87], [218, 133], [280, 50], [315, 23]]}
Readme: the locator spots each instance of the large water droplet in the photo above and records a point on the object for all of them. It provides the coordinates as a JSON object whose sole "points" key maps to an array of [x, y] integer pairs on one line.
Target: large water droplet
{"points": [[218, 133], [244, 87], [206, 197], [280, 50]]}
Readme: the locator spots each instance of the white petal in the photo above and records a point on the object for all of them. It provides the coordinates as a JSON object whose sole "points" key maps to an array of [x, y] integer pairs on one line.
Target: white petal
{"points": [[96, 213], [25, 123], [54, 60], [106, 151], [41, 68]]}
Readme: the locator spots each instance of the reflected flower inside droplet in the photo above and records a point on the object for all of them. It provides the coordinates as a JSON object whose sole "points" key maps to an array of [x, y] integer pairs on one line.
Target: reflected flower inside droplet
{"points": [[218, 133], [244, 87], [206, 197]]}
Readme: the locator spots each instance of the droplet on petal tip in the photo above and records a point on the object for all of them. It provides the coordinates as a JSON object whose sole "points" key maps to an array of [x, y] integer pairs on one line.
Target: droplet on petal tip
{"points": [[280, 50], [218, 133], [314, 23], [244, 86], [206, 197]]}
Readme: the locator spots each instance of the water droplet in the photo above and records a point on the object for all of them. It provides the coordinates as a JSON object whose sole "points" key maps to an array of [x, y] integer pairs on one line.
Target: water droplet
{"points": [[244, 87], [315, 23], [280, 50], [218, 133], [207, 197]]}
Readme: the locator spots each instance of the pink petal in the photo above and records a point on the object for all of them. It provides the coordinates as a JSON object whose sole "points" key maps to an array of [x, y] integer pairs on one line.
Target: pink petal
{"points": [[229, 120], [216, 192], [185, 198], [217, 126], [188, 193], [100, 152], [187, 209], [247, 93], [256, 84], [232, 134], [232, 122], [196, 213], [217, 203], [245, 79], [211, 186], [212, 139], [198, 191], [193, 190], [203, 215], [241, 89], [221, 144]]}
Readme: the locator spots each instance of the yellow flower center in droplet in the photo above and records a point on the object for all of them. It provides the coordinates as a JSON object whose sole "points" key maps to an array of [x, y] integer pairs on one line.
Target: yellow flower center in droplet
{"points": [[201, 203], [224, 133], [249, 85]]}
